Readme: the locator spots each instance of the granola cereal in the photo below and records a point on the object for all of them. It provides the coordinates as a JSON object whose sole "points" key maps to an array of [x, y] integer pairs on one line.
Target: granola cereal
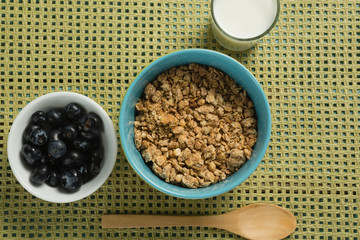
{"points": [[194, 126]]}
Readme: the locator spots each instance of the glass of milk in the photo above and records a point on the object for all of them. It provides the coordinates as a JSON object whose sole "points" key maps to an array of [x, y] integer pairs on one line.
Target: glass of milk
{"points": [[239, 24]]}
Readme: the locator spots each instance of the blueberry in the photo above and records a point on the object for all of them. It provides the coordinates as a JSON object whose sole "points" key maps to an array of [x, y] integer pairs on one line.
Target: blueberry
{"points": [[90, 134], [90, 126], [32, 155], [28, 131], [94, 168], [73, 111], [55, 135], [96, 156], [38, 136], [40, 174], [48, 160], [43, 160], [73, 158], [39, 118], [83, 170], [82, 144], [71, 180], [69, 133], [57, 149], [54, 178], [55, 117]]}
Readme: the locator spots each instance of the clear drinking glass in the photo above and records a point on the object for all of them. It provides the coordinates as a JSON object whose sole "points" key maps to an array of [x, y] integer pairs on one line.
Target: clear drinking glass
{"points": [[239, 24]]}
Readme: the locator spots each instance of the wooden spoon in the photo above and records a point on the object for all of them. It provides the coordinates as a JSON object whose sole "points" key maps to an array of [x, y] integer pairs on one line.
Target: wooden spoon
{"points": [[255, 221]]}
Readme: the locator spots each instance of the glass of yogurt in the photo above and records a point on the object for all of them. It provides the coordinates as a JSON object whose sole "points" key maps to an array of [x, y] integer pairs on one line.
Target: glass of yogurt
{"points": [[239, 24]]}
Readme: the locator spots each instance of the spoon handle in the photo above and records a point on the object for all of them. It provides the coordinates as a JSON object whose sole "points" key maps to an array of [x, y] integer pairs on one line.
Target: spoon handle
{"points": [[136, 221]]}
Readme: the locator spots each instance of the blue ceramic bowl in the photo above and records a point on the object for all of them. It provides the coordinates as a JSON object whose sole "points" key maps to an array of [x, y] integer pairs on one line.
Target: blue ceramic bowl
{"points": [[206, 57]]}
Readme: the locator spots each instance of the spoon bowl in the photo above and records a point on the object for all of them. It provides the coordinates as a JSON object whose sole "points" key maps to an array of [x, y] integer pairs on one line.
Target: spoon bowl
{"points": [[260, 221], [255, 221]]}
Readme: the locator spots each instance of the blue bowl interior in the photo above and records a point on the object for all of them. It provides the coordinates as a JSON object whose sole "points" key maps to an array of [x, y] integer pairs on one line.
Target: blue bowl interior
{"points": [[206, 57]]}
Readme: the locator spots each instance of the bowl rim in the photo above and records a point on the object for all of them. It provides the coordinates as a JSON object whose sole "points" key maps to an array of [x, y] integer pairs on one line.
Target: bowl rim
{"points": [[194, 193], [72, 197]]}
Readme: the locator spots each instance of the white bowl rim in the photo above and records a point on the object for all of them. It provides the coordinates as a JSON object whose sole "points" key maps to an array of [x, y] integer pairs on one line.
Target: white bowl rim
{"points": [[105, 172]]}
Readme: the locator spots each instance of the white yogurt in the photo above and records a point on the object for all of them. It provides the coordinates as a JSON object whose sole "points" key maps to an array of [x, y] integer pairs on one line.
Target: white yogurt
{"points": [[237, 24]]}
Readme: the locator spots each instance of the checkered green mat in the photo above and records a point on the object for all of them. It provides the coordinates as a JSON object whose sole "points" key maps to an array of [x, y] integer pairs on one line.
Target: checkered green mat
{"points": [[308, 66]]}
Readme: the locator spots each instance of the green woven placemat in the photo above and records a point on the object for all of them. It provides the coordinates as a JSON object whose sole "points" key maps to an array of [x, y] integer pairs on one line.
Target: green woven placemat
{"points": [[308, 66]]}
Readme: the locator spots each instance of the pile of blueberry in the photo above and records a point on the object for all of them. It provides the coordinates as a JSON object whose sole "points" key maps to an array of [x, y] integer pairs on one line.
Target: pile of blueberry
{"points": [[63, 147]]}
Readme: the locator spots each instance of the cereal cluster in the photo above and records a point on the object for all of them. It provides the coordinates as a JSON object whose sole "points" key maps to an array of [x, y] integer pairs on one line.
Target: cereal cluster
{"points": [[195, 126]]}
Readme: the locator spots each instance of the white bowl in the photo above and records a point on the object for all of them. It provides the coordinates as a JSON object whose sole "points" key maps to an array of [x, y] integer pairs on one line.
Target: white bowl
{"points": [[15, 141]]}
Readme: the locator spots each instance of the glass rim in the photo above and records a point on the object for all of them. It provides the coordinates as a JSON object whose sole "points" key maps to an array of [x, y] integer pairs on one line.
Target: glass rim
{"points": [[247, 39]]}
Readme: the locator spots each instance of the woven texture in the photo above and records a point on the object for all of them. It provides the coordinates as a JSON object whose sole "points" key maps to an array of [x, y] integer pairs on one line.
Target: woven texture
{"points": [[308, 66]]}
